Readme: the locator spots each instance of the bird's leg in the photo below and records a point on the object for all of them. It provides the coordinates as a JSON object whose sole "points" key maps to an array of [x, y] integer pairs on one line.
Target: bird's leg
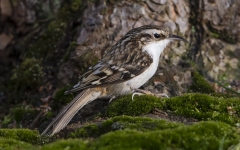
{"points": [[142, 92], [161, 95], [134, 93]]}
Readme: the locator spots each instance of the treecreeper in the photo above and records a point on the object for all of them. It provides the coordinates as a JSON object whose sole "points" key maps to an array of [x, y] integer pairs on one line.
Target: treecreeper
{"points": [[130, 63]]}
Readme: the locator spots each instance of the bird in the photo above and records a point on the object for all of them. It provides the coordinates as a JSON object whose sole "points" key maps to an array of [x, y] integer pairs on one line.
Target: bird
{"points": [[130, 63]]}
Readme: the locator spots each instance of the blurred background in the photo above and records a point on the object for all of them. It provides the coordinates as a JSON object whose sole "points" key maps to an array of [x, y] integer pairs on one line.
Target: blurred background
{"points": [[46, 45]]}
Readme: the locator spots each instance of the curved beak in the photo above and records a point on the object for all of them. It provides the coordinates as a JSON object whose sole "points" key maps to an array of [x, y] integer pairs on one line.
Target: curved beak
{"points": [[175, 37]]}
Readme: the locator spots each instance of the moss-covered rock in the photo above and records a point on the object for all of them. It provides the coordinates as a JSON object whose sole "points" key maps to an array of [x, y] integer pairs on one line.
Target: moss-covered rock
{"points": [[199, 106], [200, 85], [140, 105], [205, 107], [203, 135], [70, 9], [121, 123], [27, 76], [61, 99], [20, 115], [26, 135], [12, 144], [44, 45], [125, 132]]}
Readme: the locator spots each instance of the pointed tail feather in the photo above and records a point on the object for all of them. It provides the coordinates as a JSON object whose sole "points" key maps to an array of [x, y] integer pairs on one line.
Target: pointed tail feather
{"points": [[65, 116]]}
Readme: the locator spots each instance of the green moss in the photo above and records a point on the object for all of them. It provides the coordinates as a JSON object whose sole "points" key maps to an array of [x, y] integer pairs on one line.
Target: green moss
{"points": [[48, 115], [69, 9], [71, 47], [45, 139], [70, 144], [200, 85], [12, 144], [140, 105], [121, 123], [224, 34], [222, 95], [203, 135], [61, 99], [29, 136], [199, 106], [27, 76], [20, 114], [215, 35], [7, 119], [45, 44], [87, 131], [204, 107], [88, 59]]}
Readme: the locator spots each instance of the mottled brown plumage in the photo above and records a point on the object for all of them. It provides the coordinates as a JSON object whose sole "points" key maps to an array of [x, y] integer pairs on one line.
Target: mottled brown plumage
{"points": [[131, 62], [124, 61]]}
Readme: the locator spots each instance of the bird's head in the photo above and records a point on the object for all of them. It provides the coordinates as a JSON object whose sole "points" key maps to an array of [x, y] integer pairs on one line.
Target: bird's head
{"points": [[153, 33], [153, 38]]}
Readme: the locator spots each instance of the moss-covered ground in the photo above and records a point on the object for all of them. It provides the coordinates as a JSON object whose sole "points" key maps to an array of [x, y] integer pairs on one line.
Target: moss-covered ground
{"points": [[127, 126], [199, 106]]}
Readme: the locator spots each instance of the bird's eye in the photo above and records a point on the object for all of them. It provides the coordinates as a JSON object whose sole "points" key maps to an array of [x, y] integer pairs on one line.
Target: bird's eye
{"points": [[156, 35]]}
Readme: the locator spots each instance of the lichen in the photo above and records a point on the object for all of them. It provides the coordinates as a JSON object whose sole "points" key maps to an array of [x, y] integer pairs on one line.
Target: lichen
{"points": [[200, 85]]}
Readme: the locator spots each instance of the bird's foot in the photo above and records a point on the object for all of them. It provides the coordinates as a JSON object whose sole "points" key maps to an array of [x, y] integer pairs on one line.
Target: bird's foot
{"points": [[136, 93], [143, 92]]}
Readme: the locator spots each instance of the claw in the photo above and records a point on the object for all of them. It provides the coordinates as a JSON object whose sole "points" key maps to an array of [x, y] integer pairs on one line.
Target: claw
{"points": [[136, 93], [162, 94]]}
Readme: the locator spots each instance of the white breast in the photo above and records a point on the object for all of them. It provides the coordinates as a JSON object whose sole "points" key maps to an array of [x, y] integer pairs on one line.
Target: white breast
{"points": [[154, 50]]}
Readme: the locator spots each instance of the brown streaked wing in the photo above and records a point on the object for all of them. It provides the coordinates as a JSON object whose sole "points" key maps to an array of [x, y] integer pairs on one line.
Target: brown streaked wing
{"points": [[114, 68]]}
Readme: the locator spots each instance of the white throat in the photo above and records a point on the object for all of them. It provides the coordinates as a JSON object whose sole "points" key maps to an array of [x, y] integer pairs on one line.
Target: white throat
{"points": [[154, 50]]}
